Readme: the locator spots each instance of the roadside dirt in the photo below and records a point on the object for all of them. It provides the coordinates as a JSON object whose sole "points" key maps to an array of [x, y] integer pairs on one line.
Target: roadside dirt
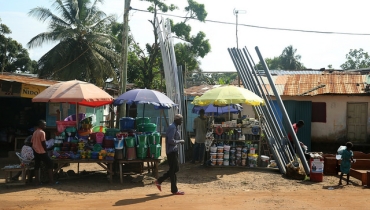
{"points": [[205, 188]]}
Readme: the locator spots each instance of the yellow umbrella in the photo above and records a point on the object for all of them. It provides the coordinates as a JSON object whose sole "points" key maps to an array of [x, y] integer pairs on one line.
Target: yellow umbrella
{"points": [[229, 94]]}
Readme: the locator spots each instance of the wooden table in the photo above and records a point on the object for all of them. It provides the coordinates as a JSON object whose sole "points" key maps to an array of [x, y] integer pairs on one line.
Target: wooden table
{"points": [[152, 164], [105, 164]]}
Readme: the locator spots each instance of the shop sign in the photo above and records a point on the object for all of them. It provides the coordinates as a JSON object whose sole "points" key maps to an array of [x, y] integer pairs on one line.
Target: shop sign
{"points": [[30, 91]]}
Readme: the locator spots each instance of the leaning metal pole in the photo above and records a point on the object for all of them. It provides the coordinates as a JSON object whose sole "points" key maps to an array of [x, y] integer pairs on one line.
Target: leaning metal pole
{"points": [[284, 113]]}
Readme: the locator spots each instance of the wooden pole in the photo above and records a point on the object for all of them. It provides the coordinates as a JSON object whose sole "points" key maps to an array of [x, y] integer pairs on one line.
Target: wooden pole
{"points": [[123, 76]]}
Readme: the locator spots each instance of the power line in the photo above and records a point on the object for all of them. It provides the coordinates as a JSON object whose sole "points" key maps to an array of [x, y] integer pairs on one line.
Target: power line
{"points": [[262, 27]]}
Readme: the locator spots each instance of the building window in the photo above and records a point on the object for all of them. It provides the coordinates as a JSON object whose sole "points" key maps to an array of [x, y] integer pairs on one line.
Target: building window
{"points": [[318, 112]]}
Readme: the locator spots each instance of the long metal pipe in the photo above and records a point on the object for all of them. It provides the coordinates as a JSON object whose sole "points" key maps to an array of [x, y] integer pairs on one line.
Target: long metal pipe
{"points": [[284, 113]]}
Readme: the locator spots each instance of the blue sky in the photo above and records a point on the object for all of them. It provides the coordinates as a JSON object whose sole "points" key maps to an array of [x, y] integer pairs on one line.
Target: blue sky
{"points": [[317, 50]]}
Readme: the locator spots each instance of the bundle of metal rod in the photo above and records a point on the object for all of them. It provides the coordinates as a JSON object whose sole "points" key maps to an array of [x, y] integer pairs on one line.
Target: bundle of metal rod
{"points": [[171, 76], [272, 129]]}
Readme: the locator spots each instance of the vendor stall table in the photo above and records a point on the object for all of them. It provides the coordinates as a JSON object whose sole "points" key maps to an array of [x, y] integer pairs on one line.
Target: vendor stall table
{"points": [[105, 164], [9, 175], [152, 164]]}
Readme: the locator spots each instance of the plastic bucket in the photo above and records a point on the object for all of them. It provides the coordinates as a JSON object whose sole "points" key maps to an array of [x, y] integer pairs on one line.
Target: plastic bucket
{"points": [[142, 120], [226, 155], [226, 162], [151, 139], [220, 155], [141, 151], [118, 143], [130, 141], [244, 161], [155, 151], [126, 123], [220, 149], [220, 162], [226, 147], [214, 161], [99, 137], [147, 127], [213, 149], [252, 150], [213, 156], [142, 140]]}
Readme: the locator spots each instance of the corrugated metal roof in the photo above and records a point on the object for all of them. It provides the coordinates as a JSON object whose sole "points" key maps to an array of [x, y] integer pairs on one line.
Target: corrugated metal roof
{"points": [[27, 80], [307, 84]]}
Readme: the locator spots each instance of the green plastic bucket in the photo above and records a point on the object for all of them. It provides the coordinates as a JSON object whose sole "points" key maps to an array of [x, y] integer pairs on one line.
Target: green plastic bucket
{"points": [[142, 140], [111, 131], [141, 151], [157, 137], [155, 151], [130, 141], [151, 139]]}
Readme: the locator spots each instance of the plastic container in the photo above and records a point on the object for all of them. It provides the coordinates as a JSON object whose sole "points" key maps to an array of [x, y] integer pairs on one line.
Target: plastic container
{"points": [[226, 148], [118, 143], [220, 155], [154, 138], [147, 127], [214, 162], [141, 151], [126, 123], [226, 156], [130, 153], [130, 141], [220, 162], [111, 131], [213, 156], [220, 149], [142, 120], [252, 150], [213, 149], [62, 125], [142, 140], [99, 137], [226, 162], [155, 151]]}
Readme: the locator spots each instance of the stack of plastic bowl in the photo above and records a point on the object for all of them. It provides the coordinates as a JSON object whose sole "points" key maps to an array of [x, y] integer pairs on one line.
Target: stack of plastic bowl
{"points": [[213, 153], [226, 155], [154, 145]]}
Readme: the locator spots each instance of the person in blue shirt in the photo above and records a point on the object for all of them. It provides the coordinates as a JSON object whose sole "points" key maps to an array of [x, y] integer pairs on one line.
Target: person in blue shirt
{"points": [[347, 159], [173, 138]]}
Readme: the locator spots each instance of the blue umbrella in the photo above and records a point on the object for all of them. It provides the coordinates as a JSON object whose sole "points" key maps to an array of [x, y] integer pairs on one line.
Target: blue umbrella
{"points": [[217, 110], [145, 96]]}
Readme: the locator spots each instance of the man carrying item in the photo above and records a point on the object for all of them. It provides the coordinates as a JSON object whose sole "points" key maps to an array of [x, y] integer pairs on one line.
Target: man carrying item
{"points": [[200, 130], [172, 140], [39, 147]]}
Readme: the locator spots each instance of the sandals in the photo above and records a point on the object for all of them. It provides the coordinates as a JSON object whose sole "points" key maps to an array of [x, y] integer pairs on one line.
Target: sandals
{"points": [[158, 185], [179, 193]]}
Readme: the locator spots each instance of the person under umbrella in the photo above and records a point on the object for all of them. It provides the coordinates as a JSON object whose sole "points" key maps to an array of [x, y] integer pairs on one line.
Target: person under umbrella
{"points": [[200, 130]]}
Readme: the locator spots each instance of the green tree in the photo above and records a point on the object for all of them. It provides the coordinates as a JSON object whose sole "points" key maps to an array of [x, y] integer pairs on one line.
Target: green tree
{"points": [[272, 63], [289, 60], [187, 52], [85, 48], [13, 56], [356, 59]]}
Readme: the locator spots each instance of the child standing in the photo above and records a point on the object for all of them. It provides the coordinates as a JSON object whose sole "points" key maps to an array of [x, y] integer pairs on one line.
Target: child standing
{"points": [[347, 159]]}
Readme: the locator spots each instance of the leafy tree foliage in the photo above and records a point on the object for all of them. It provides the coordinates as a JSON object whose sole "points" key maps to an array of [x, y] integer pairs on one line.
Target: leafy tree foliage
{"points": [[288, 60], [85, 50], [187, 52], [356, 59], [13, 57]]}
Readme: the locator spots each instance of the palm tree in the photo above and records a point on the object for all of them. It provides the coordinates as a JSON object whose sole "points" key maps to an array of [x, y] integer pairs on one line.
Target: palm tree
{"points": [[289, 60], [85, 48]]}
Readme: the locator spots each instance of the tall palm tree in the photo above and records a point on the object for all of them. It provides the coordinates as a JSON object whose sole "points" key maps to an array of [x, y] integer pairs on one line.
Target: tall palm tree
{"points": [[289, 60], [85, 48]]}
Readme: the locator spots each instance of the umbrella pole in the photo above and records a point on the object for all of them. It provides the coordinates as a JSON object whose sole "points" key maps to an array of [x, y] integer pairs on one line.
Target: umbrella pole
{"points": [[77, 115]]}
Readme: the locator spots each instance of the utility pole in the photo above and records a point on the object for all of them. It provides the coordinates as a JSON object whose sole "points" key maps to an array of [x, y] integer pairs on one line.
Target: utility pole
{"points": [[236, 12], [123, 76]]}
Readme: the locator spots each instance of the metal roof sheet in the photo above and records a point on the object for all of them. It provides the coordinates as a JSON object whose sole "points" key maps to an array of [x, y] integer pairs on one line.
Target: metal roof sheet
{"points": [[27, 80]]}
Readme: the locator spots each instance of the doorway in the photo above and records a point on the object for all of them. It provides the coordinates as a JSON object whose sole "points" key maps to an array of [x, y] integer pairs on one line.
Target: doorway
{"points": [[357, 122]]}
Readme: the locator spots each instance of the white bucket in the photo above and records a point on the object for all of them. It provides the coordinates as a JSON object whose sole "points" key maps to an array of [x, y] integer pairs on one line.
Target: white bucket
{"points": [[220, 149], [213, 149], [226, 156], [252, 150], [264, 158], [226, 162], [227, 147], [220, 155], [220, 162], [213, 156], [213, 162]]}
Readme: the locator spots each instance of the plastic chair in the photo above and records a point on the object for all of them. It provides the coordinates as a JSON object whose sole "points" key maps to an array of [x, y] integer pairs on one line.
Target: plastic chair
{"points": [[24, 161]]}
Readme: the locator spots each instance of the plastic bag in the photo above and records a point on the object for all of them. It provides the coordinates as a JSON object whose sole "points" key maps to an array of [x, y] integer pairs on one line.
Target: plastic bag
{"points": [[340, 149]]}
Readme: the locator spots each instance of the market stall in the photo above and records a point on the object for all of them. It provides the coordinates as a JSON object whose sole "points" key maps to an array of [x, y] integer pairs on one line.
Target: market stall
{"points": [[234, 142]]}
